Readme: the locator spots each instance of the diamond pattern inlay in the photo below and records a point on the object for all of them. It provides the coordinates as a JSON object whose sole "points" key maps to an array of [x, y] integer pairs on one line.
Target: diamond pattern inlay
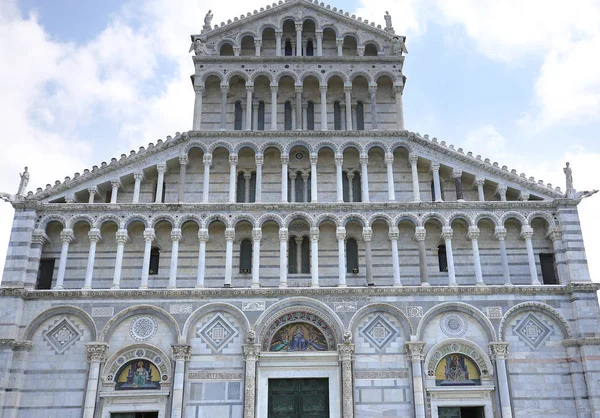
{"points": [[379, 332], [217, 332], [62, 335], [533, 331]]}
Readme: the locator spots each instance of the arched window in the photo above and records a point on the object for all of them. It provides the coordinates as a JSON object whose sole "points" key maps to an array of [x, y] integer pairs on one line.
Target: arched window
{"points": [[252, 188], [432, 191], [299, 188], [288, 48], [261, 116], [457, 370], [305, 269], [241, 188], [292, 256], [351, 256], [246, 256], [287, 116], [442, 259], [356, 188], [45, 273], [309, 48], [548, 266], [345, 186], [370, 50], [154, 261], [337, 116], [108, 196], [237, 124], [360, 116], [310, 116], [226, 50], [164, 191]]}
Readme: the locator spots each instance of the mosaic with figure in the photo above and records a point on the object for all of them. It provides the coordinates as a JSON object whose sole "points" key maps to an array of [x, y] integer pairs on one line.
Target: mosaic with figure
{"points": [[298, 336], [138, 374], [456, 370]]}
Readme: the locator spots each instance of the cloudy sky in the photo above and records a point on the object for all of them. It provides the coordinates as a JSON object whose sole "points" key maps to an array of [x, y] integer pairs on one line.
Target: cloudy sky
{"points": [[517, 81]]}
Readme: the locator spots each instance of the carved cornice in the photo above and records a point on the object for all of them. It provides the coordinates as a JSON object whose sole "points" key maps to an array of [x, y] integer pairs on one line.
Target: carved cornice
{"points": [[15, 344], [578, 342]]}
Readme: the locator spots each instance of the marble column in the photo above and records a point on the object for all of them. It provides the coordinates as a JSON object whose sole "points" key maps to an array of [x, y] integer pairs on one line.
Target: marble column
{"points": [[233, 160], [207, 160], [501, 191], [249, 92], [473, 235], [500, 234], [138, 177], [175, 238], [447, 237], [256, 238], [341, 237], [389, 161], [293, 106], [323, 90], [340, 45], [283, 257], [244, 115], [527, 234], [437, 188], [346, 355], [457, 176], [298, 254], [183, 162], [38, 239], [251, 354], [203, 239], [67, 237], [373, 94], [499, 352], [255, 114], [364, 177], [479, 183], [305, 177], [415, 350], [394, 234], [314, 255], [413, 158], [285, 159], [229, 237], [292, 198], [274, 89], [319, 35], [348, 94], [350, 177], [420, 235], [247, 178], [122, 238], [257, 46], [305, 116], [93, 191], [339, 160], [95, 237], [299, 39], [298, 90], [197, 124], [278, 35], [160, 180], [96, 355], [181, 354], [399, 107], [367, 233], [115, 185], [555, 235], [224, 91], [313, 178], [149, 237]]}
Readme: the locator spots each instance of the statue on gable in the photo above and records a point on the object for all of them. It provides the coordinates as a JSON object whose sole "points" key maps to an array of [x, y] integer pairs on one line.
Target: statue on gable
{"points": [[207, 20], [24, 181], [388, 22], [571, 192], [199, 48], [398, 47]]}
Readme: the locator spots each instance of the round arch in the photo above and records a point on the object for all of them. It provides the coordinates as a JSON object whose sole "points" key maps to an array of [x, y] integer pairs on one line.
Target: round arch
{"points": [[381, 307], [432, 215], [209, 308], [60, 310], [538, 307], [461, 307], [133, 310], [80, 218], [153, 354], [460, 346], [513, 215], [269, 217], [380, 217]]}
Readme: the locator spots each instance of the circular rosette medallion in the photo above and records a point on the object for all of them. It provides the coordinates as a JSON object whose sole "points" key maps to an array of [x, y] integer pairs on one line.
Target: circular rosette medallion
{"points": [[453, 324]]}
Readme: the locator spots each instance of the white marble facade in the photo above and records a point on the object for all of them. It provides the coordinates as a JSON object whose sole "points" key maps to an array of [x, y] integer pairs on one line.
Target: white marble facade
{"points": [[298, 197]]}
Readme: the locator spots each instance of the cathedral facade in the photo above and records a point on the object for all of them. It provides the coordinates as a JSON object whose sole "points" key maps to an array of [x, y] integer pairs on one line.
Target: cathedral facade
{"points": [[298, 253]]}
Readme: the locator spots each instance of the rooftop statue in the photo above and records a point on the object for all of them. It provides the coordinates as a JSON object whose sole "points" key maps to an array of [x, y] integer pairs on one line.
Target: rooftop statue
{"points": [[199, 48], [207, 21], [24, 181], [569, 175], [388, 22], [398, 47], [571, 192]]}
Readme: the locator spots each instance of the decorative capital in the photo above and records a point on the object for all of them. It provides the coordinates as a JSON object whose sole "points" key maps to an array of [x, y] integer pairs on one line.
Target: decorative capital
{"points": [[413, 158], [249, 88], [319, 34], [372, 90], [367, 233], [415, 350], [364, 159], [207, 159], [420, 233], [229, 234], [299, 26], [161, 168], [16, 345], [347, 88], [313, 158], [456, 174], [233, 160], [237, 50], [224, 88], [435, 166], [361, 51], [149, 235], [555, 233], [251, 351], [183, 160], [500, 233], [346, 351], [339, 41], [203, 235], [274, 89], [176, 234], [95, 235], [473, 233], [389, 158], [298, 89], [323, 89], [116, 184], [39, 237], [96, 352], [278, 33], [499, 350], [70, 198], [339, 159], [341, 233], [122, 236], [501, 189], [66, 235], [258, 42], [257, 234], [285, 159], [479, 182], [138, 176], [93, 190], [199, 89], [259, 159], [247, 176], [394, 233], [182, 352], [447, 232], [526, 232], [283, 234], [314, 234], [524, 195]]}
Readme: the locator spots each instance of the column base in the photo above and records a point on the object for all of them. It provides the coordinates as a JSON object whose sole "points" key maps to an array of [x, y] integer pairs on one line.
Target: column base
{"points": [[315, 286], [536, 283], [342, 285], [439, 201], [480, 284], [425, 284], [199, 286], [227, 286], [508, 284], [171, 287], [86, 288], [283, 285], [370, 284], [143, 288], [255, 286], [453, 285], [115, 287], [58, 288]]}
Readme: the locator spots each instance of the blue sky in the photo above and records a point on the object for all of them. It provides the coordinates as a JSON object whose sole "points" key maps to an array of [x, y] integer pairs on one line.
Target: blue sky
{"points": [[515, 81]]}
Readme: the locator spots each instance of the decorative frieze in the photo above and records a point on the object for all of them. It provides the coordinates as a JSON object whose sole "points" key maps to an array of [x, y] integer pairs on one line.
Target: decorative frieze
{"points": [[381, 374], [414, 311], [215, 376], [253, 306], [180, 309], [344, 306], [103, 312]]}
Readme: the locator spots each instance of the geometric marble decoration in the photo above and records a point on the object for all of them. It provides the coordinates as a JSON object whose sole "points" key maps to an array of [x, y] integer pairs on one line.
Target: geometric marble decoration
{"points": [[379, 332], [453, 324], [217, 333], [62, 335], [532, 331], [142, 328]]}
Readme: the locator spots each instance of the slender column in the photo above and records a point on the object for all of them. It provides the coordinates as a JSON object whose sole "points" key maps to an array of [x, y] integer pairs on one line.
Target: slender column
{"points": [[555, 235], [207, 159], [473, 235], [305, 187], [501, 191], [183, 162], [394, 234], [161, 169], [323, 90], [346, 354], [229, 237], [364, 176], [420, 234], [283, 257], [299, 39], [413, 158], [66, 237], [314, 255], [373, 93], [313, 178], [256, 238], [360, 51], [255, 114], [278, 35], [447, 236], [224, 91], [319, 35], [257, 47], [233, 160], [399, 107], [339, 159], [237, 51], [348, 93], [305, 116], [299, 90], [93, 191], [251, 354], [247, 177], [122, 238], [181, 354], [457, 176], [197, 124], [292, 187], [354, 119], [499, 352], [340, 46], [524, 196], [500, 234], [259, 160], [341, 237], [138, 177], [115, 184], [389, 161], [284, 185], [367, 236], [249, 91], [95, 237], [527, 234], [175, 238], [149, 237], [479, 183], [415, 351], [96, 355], [435, 168], [245, 115], [298, 255], [203, 239], [274, 89], [350, 177], [343, 116], [293, 106]]}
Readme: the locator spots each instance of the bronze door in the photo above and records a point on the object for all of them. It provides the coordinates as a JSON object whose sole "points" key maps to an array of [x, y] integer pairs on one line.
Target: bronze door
{"points": [[298, 398]]}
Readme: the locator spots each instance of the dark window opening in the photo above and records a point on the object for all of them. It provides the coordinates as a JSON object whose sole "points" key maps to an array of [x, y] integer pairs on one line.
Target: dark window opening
{"points": [[45, 273], [432, 191], [310, 116], [345, 187], [357, 188], [337, 116], [287, 116], [299, 185], [261, 116], [360, 116], [241, 189], [442, 259], [238, 116], [288, 48], [292, 256], [252, 188], [305, 256], [154, 261], [310, 50], [164, 191], [108, 196], [246, 257], [548, 265], [351, 256]]}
